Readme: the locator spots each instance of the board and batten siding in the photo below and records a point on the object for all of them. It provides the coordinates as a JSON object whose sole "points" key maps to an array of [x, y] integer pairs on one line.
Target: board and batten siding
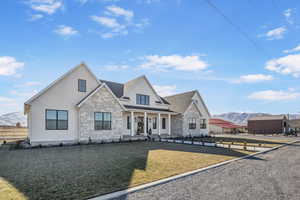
{"points": [[63, 95]]}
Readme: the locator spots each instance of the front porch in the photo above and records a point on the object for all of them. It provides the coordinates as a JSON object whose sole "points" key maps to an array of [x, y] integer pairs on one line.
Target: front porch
{"points": [[142, 123]]}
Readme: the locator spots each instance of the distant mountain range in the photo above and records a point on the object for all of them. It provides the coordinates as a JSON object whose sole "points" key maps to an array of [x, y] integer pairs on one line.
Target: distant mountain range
{"points": [[11, 119], [242, 118]]}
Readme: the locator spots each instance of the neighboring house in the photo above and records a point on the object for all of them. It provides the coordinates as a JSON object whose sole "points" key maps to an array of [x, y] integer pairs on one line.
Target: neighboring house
{"points": [[294, 125], [193, 115], [78, 107], [268, 124], [220, 126]]}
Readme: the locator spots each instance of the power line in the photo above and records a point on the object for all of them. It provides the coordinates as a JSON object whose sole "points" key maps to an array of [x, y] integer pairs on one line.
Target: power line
{"points": [[237, 27]]}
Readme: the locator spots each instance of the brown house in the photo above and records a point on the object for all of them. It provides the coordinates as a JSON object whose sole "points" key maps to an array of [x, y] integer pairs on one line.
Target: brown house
{"points": [[267, 124]]}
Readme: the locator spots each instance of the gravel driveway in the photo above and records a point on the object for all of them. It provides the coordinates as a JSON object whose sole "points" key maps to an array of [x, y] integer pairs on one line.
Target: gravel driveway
{"points": [[274, 175]]}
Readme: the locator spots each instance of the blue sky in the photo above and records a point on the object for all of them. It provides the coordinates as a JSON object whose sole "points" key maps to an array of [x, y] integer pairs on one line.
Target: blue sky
{"points": [[179, 45]]}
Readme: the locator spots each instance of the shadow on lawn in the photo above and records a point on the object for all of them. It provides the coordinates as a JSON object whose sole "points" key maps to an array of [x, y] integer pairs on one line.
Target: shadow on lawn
{"points": [[78, 172]]}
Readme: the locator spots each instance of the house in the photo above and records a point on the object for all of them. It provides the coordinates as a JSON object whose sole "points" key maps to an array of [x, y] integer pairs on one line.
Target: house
{"points": [[193, 115], [268, 124], [294, 125], [220, 126], [79, 107]]}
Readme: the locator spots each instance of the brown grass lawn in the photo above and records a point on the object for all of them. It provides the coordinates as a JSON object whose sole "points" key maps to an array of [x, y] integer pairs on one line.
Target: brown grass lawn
{"points": [[79, 172], [248, 141]]}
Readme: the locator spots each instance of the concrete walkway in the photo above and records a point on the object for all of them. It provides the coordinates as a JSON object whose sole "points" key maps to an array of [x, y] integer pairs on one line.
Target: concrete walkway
{"points": [[273, 175]]}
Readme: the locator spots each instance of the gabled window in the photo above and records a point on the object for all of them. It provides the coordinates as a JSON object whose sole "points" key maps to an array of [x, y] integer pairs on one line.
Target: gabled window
{"points": [[56, 119], [81, 85], [102, 120], [192, 123], [203, 123], [163, 123], [142, 99]]}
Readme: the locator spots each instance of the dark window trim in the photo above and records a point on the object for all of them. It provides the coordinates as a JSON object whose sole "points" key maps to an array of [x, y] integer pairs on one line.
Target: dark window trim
{"points": [[102, 129], [79, 85], [139, 99], [128, 122], [203, 124], [163, 123], [192, 123], [154, 123], [56, 120]]}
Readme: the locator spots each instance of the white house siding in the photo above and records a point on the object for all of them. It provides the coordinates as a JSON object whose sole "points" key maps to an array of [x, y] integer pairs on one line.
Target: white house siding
{"points": [[63, 95], [140, 86], [102, 101], [193, 112]]}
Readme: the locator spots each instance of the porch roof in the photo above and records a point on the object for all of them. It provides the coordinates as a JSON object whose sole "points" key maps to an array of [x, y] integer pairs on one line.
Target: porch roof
{"points": [[130, 107]]}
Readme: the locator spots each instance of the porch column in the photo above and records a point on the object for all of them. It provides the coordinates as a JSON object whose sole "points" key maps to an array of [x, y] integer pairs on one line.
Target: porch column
{"points": [[158, 123], [169, 120], [145, 123], [132, 124]]}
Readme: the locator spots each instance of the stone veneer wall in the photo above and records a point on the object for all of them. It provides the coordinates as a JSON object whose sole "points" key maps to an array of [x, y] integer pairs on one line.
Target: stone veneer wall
{"points": [[193, 112], [102, 101], [176, 125]]}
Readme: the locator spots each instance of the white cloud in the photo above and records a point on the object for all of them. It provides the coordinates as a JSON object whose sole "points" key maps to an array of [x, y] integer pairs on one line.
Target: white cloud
{"points": [[288, 15], [273, 95], [289, 64], [36, 17], [46, 6], [29, 84], [6, 99], [275, 34], [24, 94], [106, 21], [165, 90], [116, 67], [176, 62], [254, 78], [9, 66], [297, 48], [117, 21], [118, 11], [66, 30]]}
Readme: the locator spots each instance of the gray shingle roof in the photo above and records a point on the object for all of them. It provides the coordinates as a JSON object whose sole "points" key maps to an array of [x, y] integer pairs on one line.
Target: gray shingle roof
{"points": [[268, 117], [116, 88], [180, 102]]}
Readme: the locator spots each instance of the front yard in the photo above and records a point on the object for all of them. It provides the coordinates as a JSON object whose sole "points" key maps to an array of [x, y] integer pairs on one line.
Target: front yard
{"points": [[79, 172]]}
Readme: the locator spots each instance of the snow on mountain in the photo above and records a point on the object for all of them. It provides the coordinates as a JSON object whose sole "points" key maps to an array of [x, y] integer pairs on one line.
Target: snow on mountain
{"points": [[242, 118], [11, 119]]}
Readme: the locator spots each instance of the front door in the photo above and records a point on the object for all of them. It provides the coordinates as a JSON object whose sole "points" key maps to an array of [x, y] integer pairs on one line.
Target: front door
{"points": [[140, 125]]}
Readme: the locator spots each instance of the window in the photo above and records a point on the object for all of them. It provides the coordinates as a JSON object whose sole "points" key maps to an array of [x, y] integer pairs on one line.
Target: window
{"points": [[163, 123], [102, 121], [192, 123], [81, 85], [142, 99], [128, 122], [203, 123], [56, 120], [155, 123]]}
